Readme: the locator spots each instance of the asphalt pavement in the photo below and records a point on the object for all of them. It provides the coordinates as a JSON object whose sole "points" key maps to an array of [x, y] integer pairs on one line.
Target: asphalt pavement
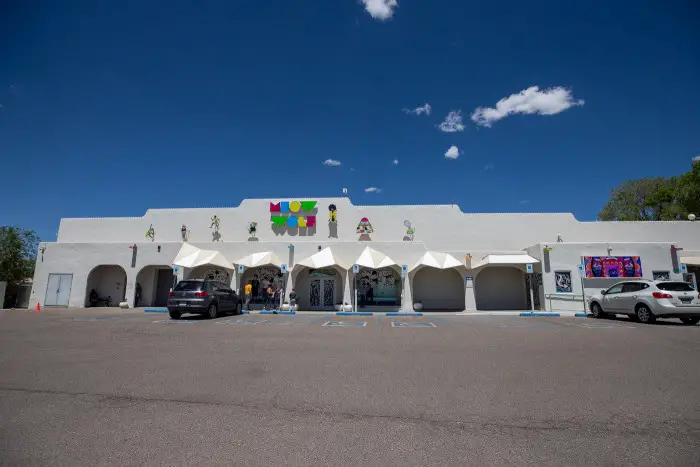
{"points": [[112, 387]]}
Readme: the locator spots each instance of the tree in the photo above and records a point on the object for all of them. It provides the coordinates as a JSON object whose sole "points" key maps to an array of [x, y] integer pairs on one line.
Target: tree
{"points": [[689, 191], [646, 199], [17, 254]]}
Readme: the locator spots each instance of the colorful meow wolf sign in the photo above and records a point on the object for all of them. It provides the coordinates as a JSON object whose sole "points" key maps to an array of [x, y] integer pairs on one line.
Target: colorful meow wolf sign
{"points": [[293, 214]]}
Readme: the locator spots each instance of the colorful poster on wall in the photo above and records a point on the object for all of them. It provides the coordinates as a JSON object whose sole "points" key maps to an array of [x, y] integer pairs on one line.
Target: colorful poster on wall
{"points": [[613, 266]]}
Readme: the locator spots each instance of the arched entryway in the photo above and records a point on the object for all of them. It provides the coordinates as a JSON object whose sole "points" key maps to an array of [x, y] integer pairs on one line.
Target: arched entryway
{"points": [[319, 289], [106, 286], [260, 277], [153, 283], [500, 288], [384, 284], [212, 273], [438, 289]]}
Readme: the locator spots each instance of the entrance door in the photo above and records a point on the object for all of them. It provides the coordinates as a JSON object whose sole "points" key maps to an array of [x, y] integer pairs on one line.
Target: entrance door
{"points": [[321, 293], [163, 285], [58, 289]]}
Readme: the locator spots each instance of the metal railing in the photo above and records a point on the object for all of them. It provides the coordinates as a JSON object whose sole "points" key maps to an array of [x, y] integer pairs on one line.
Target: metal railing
{"points": [[566, 297]]}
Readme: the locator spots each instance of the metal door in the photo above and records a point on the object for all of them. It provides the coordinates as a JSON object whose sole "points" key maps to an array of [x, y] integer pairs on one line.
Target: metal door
{"points": [[58, 289]]}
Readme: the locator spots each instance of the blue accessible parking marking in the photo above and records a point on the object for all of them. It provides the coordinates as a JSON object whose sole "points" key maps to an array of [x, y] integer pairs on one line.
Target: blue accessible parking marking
{"points": [[178, 321], [242, 321], [352, 324], [401, 324]]}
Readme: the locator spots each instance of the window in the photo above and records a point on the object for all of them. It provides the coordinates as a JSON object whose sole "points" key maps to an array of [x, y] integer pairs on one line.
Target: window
{"points": [[562, 280], [662, 275], [675, 287], [617, 288], [633, 287], [188, 286]]}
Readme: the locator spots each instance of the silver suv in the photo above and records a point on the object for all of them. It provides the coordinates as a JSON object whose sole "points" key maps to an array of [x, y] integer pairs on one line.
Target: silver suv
{"points": [[648, 300]]}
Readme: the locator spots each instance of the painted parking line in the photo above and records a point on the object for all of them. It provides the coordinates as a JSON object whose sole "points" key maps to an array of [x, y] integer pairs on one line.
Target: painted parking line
{"points": [[95, 318], [242, 321], [178, 321], [528, 326], [402, 324], [350, 324]]}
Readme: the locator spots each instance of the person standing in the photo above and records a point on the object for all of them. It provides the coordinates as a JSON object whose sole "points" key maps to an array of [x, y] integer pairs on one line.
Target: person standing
{"points": [[278, 297], [248, 293], [256, 287], [292, 299], [137, 298], [269, 296]]}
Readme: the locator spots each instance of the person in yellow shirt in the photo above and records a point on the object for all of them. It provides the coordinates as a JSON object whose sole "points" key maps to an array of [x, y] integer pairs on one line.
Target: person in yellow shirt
{"points": [[248, 292]]}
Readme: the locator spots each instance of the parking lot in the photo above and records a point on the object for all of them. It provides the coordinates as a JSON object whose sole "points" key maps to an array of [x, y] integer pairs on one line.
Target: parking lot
{"points": [[110, 387]]}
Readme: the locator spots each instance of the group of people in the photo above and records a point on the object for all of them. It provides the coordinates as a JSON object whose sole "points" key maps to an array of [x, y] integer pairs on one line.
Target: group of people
{"points": [[366, 294], [268, 292]]}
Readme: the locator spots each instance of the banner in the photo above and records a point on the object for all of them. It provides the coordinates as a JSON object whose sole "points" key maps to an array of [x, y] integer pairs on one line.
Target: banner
{"points": [[612, 266]]}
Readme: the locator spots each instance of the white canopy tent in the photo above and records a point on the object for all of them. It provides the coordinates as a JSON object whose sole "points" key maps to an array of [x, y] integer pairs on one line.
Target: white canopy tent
{"points": [[191, 257], [323, 259], [264, 258], [436, 259], [373, 259], [694, 260], [505, 260]]}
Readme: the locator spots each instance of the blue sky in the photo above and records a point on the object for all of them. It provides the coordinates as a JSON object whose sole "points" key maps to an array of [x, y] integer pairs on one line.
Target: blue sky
{"points": [[109, 108]]}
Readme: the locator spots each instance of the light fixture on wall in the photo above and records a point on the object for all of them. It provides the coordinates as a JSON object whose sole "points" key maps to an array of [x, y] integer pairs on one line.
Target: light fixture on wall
{"points": [[609, 250], [42, 249], [291, 246], [320, 248], [158, 248]]}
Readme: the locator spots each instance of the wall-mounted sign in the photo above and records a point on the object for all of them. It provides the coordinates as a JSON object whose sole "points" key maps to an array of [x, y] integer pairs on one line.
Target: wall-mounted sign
{"points": [[293, 214], [612, 266], [355, 268], [581, 270], [528, 268], [404, 271], [470, 281], [284, 269], [241, 268], [684, 268]]}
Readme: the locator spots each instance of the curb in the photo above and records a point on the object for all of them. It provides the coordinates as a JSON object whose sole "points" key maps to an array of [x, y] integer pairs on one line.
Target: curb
{"points": [[245, 312], [270, 312], [540, 314], [582, 315], [403, 313], [155, 310], [354, 313]]}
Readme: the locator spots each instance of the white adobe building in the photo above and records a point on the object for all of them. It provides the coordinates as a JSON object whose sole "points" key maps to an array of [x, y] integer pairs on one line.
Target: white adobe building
{"points": [[429, 257]]}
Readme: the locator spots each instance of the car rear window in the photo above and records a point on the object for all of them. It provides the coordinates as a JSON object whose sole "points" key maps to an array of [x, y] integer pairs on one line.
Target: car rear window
{"points": [[185, 286], [675, 286]]}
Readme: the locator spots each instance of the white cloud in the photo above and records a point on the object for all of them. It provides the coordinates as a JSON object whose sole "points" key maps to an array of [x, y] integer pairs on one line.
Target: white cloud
{"points": [[352, 169], [424, 109], [452, 123], [488, 167], [373, 189], [380, 9], [452, 153], [331, 163], [524, 201], [395, 162], [529, 101], [696, 159]]}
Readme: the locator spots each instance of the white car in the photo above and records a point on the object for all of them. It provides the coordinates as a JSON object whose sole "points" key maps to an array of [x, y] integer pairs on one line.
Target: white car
{"points": [[647, 300]]}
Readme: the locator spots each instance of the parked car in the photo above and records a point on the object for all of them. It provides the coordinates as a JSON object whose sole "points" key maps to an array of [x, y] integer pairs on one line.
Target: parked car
{"points": [[204, 297], [647, 300]]}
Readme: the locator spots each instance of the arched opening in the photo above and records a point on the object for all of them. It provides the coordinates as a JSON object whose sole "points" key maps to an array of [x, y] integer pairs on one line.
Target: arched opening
{"points": [[500, 288], [439, 289], [380, 287], [153, 283], [260, 277], [319, 289], [106, 286], [212, 273]]}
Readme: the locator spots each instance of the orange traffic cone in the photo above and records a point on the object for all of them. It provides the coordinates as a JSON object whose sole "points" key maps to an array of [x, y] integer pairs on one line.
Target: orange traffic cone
{"points": [[38, 307]]}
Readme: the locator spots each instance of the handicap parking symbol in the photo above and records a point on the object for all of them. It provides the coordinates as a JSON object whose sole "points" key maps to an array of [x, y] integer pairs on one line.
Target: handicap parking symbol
{"points": [[176, 321], [402, 324], [352, 324]]}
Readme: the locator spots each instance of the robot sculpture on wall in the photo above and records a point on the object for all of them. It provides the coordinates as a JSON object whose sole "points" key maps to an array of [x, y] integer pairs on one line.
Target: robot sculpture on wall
{"points": [[214, 223], [332, 221], [410, 231], [252, 230], [364, 228], [184, 232], [151, 233]]}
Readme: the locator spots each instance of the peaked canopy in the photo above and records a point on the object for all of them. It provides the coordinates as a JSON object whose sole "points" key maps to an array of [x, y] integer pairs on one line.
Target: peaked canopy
{"points": [[505, 259], [263, 258], [436, 259], [373, 259], [694, 260], [190, 257], [322, 259]]}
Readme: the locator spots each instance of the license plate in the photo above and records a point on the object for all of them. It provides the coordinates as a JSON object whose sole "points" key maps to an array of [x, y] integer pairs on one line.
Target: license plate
{"points": [[686, 299], [183, 303]]}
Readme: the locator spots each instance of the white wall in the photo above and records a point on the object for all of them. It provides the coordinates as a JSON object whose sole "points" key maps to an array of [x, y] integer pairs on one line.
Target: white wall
{"points": [[566, 257], [86, 243]]}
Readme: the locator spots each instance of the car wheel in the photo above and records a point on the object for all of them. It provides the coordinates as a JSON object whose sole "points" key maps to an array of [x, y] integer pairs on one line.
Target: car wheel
{"points": [[597, 311], [213, 311], [644, 314], [690, 321], [239, 309], [175, 314]]}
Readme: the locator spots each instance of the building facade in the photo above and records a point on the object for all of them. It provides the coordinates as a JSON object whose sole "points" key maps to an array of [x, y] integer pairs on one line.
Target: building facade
{"points": [[329, 250]]}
